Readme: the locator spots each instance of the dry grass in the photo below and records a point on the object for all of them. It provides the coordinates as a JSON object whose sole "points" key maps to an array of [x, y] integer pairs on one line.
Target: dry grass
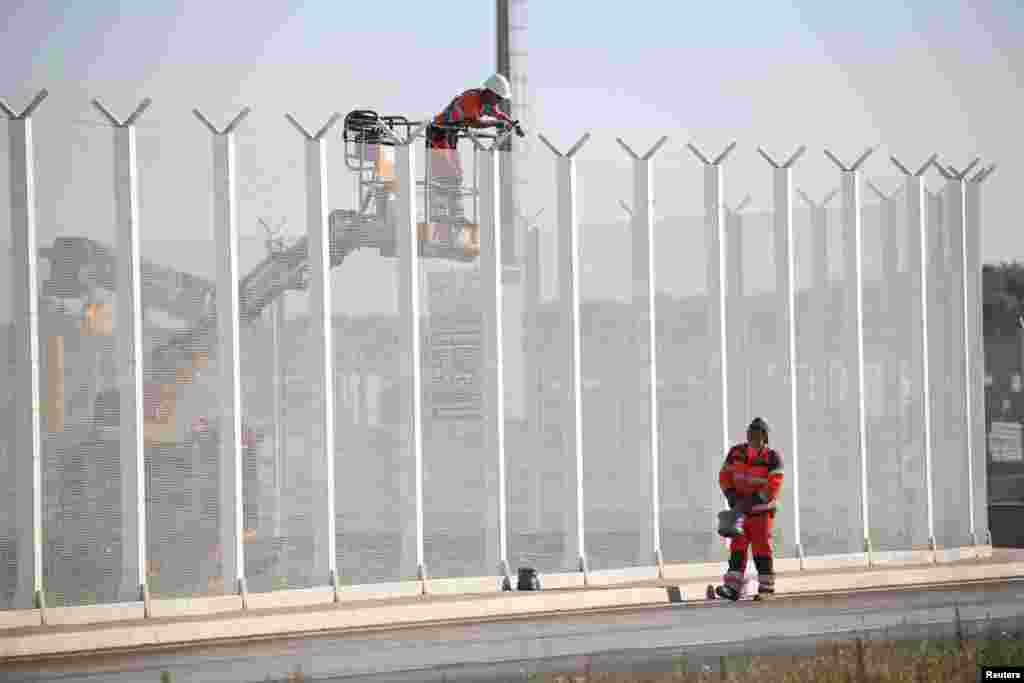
{"points": [[858, 661]]}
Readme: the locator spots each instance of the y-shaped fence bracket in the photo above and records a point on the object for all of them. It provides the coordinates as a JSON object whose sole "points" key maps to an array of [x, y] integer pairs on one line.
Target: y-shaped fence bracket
{"points": [[230, 128], [114, 121], [27, 111]]}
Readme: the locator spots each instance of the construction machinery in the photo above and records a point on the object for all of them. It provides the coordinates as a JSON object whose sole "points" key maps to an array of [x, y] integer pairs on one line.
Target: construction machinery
{"points": [[80, 267]]}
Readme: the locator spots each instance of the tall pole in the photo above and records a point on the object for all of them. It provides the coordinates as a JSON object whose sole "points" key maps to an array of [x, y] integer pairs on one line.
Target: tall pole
{"points": [[130, 352], [277, 335], [493, 355], [568, 285], [644, 300], [820, 313], [277, 316], [25, 424], [956, 210], [225, 239], [409, 301], [736, 307], [852, 222], [917, 220], [318, 244], [786, 279], [534, 381], [977, 391], [717, 279]]}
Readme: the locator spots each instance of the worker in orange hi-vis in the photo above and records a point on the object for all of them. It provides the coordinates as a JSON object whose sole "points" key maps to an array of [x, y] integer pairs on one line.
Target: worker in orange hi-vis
{"points": [[751, 480], [475, 108]]}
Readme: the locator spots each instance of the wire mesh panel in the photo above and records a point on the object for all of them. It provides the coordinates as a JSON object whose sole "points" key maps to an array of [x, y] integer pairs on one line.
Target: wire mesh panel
{"points": [[689, 371], [538, 491], [460, 495], [183, 469], [9, 490], [86, 546], [829, 466], [542, 475], [949, 458], [374, 460], [265, 232], [896, 480], [615, 371], [975, 220], [814, 251], [291, 547]]}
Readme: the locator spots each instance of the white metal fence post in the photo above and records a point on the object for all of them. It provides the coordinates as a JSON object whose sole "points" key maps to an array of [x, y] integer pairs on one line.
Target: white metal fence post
{"points": [[644, 294], [819, 303], [277, 316], [917, 220], [956, 211], [130, 352], [714, 224], [568, 286], [851, 219], [534, 373], [737, 340], [411, 367], [972, 227], [225, 239], [280, 432], [25, 421], [321, 311], [786, 279], [493, 353]]}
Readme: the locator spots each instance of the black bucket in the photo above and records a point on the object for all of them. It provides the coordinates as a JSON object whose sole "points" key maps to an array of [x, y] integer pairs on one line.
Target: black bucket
{"points": [[730, 524], [528, 579]]}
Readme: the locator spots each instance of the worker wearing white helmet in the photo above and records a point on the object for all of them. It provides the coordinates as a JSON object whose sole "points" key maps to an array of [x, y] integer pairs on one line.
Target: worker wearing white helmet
{"points": [[476, 108]]}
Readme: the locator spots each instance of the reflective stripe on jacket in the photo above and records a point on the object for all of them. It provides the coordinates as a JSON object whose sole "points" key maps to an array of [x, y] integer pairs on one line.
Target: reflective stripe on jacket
{"points": [[753, 473], [469, 106]]}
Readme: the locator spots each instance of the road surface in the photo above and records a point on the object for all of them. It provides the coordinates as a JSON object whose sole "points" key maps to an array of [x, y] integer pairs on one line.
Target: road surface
{"points": [[633, 639]]}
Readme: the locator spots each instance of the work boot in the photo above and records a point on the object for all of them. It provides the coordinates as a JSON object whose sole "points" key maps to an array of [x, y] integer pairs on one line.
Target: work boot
{"points": [[727, 593]]}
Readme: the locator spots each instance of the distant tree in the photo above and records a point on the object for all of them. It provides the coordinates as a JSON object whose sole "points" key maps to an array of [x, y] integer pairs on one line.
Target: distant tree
{"points": [[1003, 297]]}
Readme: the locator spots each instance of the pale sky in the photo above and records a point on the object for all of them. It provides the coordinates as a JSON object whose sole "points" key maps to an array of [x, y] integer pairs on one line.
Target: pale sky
{"points": [[912, 78]]}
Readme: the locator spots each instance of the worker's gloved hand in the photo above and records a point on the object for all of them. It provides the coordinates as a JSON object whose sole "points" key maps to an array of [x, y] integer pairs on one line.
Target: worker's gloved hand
{"points": [[520, 132]]}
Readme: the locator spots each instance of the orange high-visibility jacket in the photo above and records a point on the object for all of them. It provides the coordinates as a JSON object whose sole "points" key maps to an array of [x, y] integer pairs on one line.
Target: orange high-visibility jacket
{"points": [[469, 106], [753, 473]]}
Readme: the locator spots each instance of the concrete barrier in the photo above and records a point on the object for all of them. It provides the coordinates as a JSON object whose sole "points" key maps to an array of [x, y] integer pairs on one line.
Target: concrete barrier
{"points": [[44, 641], [250, 624], [557, 581], [304, 597], [831, 562], [897, 577], [20, 618], [611, 577], [80, 615], [690, 579], [472, 585], [695, 570], [379, 591], [161, 608], [902, 557]]}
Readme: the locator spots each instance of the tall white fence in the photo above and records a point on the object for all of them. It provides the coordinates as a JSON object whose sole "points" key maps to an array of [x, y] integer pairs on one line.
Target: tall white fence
{"points": [[600, 426]]}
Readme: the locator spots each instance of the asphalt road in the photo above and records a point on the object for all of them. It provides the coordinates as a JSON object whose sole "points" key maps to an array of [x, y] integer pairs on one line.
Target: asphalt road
{"points": [[634, 639]]}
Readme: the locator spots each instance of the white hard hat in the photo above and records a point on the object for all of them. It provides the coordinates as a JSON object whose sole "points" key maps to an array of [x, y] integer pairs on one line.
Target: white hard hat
{"points": [[499, 85]]}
